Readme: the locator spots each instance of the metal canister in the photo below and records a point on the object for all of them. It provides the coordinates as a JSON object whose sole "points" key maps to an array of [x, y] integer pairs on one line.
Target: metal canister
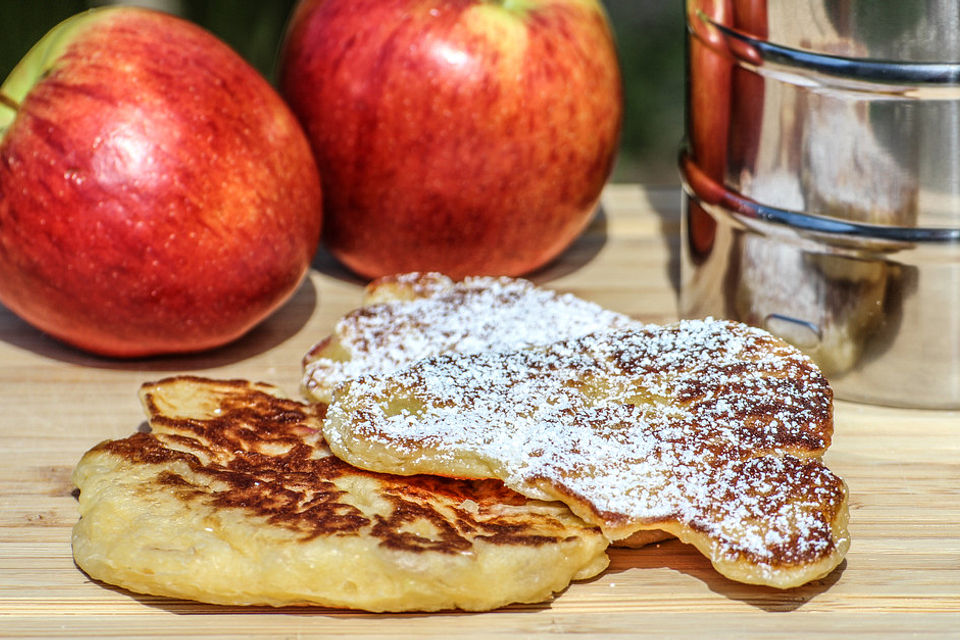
{"points": [[821, 177]]}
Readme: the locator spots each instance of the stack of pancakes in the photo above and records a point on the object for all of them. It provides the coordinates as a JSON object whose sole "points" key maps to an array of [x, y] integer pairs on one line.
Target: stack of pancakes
{"points": [[470, 445]]}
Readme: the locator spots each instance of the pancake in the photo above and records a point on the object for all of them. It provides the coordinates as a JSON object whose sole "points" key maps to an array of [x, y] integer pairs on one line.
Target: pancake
{"points": [[408, 317], [412, 316], [233, 498], [710, 430]]}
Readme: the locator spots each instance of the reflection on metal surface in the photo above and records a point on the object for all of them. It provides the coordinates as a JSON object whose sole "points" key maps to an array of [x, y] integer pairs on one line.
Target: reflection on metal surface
{"points": [[833, 70], [907, 31], [822, 186], [880, 318], [802, 333]]}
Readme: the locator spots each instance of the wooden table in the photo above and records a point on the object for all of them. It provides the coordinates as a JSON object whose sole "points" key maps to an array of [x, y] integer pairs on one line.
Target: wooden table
{"points": [[901, 577]]}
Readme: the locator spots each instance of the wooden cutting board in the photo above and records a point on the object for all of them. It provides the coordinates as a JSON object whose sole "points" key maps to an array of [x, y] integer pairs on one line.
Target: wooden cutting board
{"points": [[901, 577]]}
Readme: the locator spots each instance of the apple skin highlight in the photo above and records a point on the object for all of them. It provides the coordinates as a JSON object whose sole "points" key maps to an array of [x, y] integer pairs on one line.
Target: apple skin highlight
{"points": [[156, 194], [467, 137]]}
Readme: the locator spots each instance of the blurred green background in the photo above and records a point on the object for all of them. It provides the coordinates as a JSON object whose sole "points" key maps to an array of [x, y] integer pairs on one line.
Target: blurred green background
{"points": [[649, 36]]}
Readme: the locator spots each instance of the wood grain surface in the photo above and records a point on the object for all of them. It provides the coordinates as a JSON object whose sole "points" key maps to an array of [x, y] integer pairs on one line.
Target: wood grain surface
{"points": [[900, 579]]}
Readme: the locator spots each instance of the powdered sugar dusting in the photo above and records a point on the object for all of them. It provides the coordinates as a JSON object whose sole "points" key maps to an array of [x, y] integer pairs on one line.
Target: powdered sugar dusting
{"points": [[475, 315], [712, 425]]}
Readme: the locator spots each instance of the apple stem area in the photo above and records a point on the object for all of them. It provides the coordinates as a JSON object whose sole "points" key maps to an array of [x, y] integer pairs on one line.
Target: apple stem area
{"points": [[9, 102]]}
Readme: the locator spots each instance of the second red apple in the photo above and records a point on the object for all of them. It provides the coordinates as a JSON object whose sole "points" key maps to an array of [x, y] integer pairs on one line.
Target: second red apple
{"points": [[469, 137]]}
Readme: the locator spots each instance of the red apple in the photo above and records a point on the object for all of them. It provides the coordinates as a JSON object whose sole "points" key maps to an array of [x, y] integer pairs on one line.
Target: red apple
{"points": [[156, 194], [464, 136]]}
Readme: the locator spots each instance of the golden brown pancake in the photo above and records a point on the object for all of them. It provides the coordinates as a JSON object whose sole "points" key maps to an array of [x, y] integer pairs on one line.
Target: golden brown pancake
{"points": [[712, 431], [408, 317], [233, 498]]}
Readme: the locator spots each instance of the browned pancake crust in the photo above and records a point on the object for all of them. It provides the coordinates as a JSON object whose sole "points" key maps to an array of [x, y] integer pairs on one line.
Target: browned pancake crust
{"points": [[265, 454], [240, 452], [709, 430], [411, 316]]}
